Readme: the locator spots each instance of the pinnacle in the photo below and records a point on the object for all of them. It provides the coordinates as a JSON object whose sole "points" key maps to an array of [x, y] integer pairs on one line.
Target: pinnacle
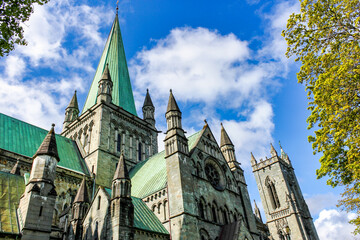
{"points": [[106, 74], [225, 139], [148, 101], [272, 150], [48, 146], [73, 103], [82, 194], [121, 170], [253, 159], [16, 169], [172, 105]]}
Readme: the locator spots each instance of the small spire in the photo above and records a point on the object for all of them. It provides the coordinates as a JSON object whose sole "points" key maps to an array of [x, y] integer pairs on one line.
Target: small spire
{"points": [[82, 194], [172, 105], [257, 211], [16, 169], [273, 151], [106, 73], [225, 139], [121, 170], [73, 103], [48, 146], [148, 101], [253, 159]]}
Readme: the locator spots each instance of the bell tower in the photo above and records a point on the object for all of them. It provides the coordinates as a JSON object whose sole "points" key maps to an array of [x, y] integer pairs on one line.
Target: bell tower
{"points": [[287, 213]]}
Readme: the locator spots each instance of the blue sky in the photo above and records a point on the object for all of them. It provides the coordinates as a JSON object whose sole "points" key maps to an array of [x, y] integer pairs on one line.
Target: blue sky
{"points": [[224, 61]]}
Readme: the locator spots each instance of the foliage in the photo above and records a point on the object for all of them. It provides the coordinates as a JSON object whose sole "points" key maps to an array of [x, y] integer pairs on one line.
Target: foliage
{"points": [[325, 37], [12, 14]]}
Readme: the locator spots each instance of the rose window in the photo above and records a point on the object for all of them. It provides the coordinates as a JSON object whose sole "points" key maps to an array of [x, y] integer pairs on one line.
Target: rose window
{"points": [[212, 174]]}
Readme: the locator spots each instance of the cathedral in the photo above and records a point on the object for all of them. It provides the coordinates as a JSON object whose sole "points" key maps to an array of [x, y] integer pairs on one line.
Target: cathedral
{"points": [[103, 177]]}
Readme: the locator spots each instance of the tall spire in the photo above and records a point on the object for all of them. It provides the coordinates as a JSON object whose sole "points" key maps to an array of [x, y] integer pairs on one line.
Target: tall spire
{"points": [[114, 55], [225, 140]]}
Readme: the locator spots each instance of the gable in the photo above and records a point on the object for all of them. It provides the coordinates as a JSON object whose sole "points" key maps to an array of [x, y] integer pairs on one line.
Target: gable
{"points": [[150, 175], [24, 139]]}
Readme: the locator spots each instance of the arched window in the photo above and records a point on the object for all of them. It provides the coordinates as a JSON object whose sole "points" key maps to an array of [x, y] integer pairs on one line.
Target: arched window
{"points": [[99, 201], [139, 151], [274, 199], [118, 142], [201, 210], [165, 202], [214, 215]]}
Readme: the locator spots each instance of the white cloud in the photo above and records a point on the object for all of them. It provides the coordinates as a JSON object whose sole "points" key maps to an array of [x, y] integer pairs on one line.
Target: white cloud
{"points": [[15, 67], [276, 45], [333, 225], [318, 202], [210, 72]]}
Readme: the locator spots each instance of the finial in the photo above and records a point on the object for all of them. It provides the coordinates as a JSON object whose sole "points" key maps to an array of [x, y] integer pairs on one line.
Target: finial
{"points": [[280, 144], [75, 91], [122, 151], [221, 123], [117, 7], [205, 121], [147, 90], [170, 90], [53, 125]]}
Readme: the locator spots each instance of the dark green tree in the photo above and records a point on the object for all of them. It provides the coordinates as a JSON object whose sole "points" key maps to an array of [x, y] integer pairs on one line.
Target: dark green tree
{"points": [[325, 38], [12, 14]]}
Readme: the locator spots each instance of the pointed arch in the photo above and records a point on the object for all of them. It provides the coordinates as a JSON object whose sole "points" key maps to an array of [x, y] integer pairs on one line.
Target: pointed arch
{"points": [[274, 199]]}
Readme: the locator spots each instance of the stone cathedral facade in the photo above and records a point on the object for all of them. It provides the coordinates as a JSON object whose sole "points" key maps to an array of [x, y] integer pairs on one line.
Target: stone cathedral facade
{"points": [[103, 177]]}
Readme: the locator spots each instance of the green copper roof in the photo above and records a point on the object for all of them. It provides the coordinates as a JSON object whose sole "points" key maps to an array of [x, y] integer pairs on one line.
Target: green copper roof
{"points": [[24, 139], [11, 188], [114, 55], [144, 218], [150, 176]]}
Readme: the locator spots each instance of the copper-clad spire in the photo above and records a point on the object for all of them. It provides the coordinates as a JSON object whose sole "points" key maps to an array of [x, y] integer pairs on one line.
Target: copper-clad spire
{"points": [[48, 146]]}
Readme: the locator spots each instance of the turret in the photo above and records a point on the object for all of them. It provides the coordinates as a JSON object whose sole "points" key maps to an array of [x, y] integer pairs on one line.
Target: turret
{"points": [[178, 168], [148, 109], [71, 112], [227, 148], [79, 208], [105, 87], [122, 208], [175, 140], [36, 205]]}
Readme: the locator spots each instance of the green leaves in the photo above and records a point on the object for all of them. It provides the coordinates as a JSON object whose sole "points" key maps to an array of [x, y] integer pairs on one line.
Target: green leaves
{"points": [[12, 13], [325, 37]]}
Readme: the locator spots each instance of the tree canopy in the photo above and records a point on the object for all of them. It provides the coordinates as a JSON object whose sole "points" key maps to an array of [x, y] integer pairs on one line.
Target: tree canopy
{"points": [[12, 14], [325, 38]]}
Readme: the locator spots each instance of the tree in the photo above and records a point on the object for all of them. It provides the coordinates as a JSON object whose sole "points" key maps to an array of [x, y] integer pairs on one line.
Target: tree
{"points": [[12, 14], [325, 37]]}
